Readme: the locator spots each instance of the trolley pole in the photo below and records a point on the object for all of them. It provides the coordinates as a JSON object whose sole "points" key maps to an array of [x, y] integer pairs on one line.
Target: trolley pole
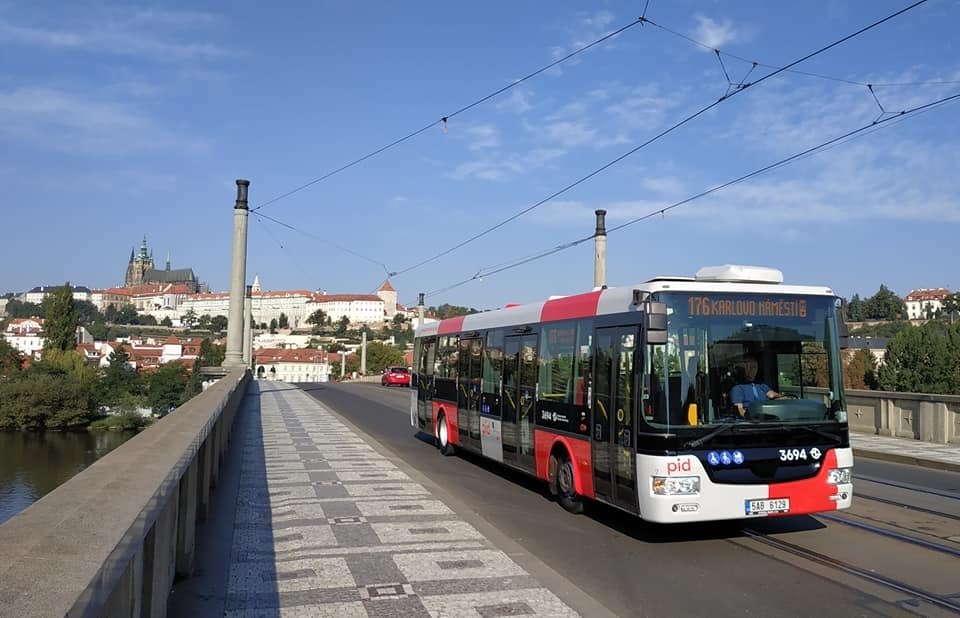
{"points": [[248, 327], [233, 358], [420, 310], [600, 251], [363, 353]]}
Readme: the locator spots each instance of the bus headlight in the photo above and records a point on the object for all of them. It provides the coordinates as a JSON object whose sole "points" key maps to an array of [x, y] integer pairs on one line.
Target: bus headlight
{"points": [[838, 476], [676, 485]]}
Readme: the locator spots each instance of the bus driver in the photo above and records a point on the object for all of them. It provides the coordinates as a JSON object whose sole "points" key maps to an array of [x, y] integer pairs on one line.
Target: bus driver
{"points": [[747, 390]]}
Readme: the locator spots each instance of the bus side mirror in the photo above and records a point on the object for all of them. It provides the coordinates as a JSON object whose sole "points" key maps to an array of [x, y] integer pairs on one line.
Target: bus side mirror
{"points": [[655, 323]]}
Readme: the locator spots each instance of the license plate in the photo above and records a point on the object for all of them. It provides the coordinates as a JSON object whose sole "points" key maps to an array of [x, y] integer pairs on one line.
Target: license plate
{"points": [[770, 505]]}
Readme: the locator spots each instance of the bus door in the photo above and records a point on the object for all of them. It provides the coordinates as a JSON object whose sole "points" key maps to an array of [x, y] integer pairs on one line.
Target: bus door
{"points": [[425, 368], [468, 392], [519, 399], [614, 460]]}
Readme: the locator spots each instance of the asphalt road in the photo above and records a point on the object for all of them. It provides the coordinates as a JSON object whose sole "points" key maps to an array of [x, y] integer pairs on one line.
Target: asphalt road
{"points": [[793, 566]]}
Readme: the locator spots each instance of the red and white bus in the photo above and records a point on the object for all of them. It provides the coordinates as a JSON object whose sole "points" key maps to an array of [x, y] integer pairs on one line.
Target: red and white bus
{"points": [[627, 395]]}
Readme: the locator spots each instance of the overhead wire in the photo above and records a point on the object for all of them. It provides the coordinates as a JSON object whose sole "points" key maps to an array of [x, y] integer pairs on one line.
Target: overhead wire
{"points": [[728, 95], [890, 120], [444, 119]]}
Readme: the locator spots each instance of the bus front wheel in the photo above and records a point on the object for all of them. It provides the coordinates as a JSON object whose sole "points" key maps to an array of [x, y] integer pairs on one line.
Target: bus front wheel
{"points": [[443, 437], [566, 494]]}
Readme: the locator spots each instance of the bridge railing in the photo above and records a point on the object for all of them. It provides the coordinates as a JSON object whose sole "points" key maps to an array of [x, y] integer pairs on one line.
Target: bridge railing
{"points": [[110, 541], [930, 418]]}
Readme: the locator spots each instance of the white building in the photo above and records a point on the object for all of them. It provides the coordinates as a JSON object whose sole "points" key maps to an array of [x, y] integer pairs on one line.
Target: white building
{"points": [[26, 336], [37, 294], [925, 302], [294, 365], [358, 308]]}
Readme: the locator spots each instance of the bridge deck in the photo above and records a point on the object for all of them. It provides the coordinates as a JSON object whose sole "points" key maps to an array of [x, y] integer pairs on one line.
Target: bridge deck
{"points": [[326, 525]]}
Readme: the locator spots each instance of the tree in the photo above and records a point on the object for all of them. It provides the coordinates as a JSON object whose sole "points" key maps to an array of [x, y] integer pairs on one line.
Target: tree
{"points": [[855, 309], [44, 398], [342, 324], [10, 359], [319, 319], [951, 306], [166, 387], [20, 309], [451, 311], [87, 312], [380, 356], [61, 321], [118, 381], [211, 355], [189, 318], [860, 371], [884, 305], [273, 325], [283, 322], [923, 359], [218, 323], [204, 321], [166, 321]]}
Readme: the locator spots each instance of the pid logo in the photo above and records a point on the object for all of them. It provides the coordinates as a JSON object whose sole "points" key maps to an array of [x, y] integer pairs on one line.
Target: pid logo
{"points": [[680, 465]]}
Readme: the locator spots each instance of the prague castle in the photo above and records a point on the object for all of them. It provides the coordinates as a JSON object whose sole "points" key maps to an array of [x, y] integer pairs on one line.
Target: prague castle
{"points": [[141, 271]]}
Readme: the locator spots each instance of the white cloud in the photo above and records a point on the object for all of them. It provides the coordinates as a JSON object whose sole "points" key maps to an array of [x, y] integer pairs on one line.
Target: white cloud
{"points": [[51, 119], [482, 137], [518, 102], [149, 33], [714, 34]]}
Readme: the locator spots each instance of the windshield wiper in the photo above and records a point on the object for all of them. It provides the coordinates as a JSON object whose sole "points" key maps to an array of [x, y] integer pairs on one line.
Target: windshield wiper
{"points": [[713, 434]]}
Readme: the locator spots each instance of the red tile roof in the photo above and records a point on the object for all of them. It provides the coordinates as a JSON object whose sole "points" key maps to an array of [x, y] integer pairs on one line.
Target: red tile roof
{"points": [[386, 287], [928, 294]]}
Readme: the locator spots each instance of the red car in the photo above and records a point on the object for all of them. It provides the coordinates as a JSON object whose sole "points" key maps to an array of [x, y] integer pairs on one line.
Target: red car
{"points": [[395, 375]]}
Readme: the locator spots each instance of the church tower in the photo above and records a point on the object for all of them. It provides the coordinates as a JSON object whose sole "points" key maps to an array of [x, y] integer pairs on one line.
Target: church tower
{"points": [[138, 266], [389, 296]]}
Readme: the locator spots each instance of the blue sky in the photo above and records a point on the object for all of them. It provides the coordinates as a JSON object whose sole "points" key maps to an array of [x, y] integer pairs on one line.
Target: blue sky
{"points": [[119, 120]]}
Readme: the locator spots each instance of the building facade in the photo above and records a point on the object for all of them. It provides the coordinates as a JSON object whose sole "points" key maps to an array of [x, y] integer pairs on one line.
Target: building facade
{"points": [[26, 336], [141, 271], [925, 302]]}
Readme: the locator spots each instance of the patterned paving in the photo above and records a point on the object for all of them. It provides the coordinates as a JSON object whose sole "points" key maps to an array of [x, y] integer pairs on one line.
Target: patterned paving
{"points": [[929, 451], [327, 526]]}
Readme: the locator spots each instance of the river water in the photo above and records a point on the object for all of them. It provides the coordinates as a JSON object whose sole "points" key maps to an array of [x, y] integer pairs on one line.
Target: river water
{"points": [[34, 464]]}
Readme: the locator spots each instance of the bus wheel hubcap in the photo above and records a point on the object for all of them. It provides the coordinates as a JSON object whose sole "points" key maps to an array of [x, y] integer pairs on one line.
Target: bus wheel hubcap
{"points": [[564, 475], [443, 432]]}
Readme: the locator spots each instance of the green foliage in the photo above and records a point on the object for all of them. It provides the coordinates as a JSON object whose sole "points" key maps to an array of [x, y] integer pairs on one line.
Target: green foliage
{"points": [[166, 321], [284, 322], [923, 359], [204, 321], [884, 305], [218, 323], [68, 362], [273, 325], [10, 359], [61, 319], [860, 370], [342, 324], [87, 312], [445, 311], [166, 387], [886, 330], [855, 309], [118, 381], [126, 421], [380, 356], [20, 309], [189, 318], [44, 398], [211, 354]]}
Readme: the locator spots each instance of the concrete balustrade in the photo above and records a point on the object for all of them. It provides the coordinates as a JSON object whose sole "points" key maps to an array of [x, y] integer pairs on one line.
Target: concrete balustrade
{"points": [[930, 418], [111, 540]]}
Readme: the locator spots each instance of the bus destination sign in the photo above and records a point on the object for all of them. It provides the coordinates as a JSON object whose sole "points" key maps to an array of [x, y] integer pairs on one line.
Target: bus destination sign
{"points": [[750, 307]]}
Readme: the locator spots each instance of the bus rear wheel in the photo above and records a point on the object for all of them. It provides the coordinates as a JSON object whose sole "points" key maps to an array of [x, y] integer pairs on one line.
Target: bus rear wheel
{"points": [[443, 436], [566, 494]]}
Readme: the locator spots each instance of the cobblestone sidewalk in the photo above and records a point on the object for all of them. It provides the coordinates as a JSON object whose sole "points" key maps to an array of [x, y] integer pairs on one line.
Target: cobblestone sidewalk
{"points": [[326, 526], [928, 454]]}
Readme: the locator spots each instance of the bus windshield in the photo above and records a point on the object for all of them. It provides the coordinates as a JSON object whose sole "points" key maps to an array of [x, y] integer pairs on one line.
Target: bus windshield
{"points": [[743, 358]]}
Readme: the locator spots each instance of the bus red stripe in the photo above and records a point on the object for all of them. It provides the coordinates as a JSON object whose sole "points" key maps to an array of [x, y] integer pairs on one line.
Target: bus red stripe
{"points": [[579, 451], [567, 308], [809, 495], [451, 325]]}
